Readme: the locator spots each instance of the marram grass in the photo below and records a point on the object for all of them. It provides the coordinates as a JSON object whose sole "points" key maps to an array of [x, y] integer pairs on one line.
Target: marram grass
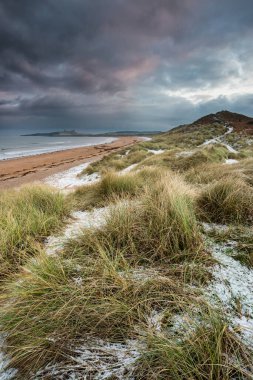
{"points": [[26, 217]]}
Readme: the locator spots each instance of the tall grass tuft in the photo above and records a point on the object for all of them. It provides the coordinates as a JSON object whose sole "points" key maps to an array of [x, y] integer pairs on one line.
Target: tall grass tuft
{"points": [[209, 351], [159, 225], [26, 217], [106, 190], [57, 300], [229, 200]]}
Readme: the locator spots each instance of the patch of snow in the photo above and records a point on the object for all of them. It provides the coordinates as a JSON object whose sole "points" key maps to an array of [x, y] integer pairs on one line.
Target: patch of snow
{"points": [[214, 227], [230, 148], [81, 220], [158, 151], [218, 140], [231, 161], [128, 169], [212, 141], [230, 130], [155, 320], [6, 373], [185, 154], [232, 287], [69, 179], [98, 360]]}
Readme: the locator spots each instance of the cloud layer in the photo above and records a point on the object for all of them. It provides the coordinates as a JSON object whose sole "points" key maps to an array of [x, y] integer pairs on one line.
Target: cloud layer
{"points": [[117, 64]]}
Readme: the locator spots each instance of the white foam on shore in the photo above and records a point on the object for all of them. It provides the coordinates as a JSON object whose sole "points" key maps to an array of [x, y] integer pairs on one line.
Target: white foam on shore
{"points": [[69, 179], [51, 147]]}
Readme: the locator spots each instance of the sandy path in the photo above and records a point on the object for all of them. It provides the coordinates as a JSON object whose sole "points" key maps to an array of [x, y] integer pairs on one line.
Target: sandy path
{"points": [[18, 171]]}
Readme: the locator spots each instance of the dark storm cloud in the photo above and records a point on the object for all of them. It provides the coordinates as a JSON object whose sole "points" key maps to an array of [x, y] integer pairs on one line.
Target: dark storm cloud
{"points": [[149, 62]]}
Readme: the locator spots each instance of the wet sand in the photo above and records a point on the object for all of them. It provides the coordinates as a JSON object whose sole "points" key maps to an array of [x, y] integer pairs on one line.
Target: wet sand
{"points": [[18, 171]]}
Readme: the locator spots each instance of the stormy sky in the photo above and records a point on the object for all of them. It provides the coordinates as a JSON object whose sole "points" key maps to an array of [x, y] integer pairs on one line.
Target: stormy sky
{"points": [[123, 64]]}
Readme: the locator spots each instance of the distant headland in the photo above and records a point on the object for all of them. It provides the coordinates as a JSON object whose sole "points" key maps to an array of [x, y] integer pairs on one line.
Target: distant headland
{"points": [[73, 133]]}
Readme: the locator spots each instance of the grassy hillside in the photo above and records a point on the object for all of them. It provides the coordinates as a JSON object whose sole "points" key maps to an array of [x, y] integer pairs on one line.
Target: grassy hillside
{"points": [[156, 280]]}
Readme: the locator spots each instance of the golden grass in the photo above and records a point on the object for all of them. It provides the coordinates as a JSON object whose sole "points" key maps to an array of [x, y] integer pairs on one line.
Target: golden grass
{"points": [[158, 225], [56, 300], [226, 201], [27, 216], [209, 350]]}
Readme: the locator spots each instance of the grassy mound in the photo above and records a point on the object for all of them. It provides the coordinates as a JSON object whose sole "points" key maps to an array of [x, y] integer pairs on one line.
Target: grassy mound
{"points": [[114, 186], [203, 174], [57, 301], [26, 217], [177, 160], [104, 191], [229, 200], [159, 225], [208, 351], [118, 161]]}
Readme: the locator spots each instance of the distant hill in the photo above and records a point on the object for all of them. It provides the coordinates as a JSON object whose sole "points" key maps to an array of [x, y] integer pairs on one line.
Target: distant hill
{"points": [[73, 133], [239, 122]]}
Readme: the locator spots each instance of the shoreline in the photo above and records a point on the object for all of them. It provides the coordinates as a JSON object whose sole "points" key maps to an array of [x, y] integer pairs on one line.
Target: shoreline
{"points": [[21, 170], [58, 149]]}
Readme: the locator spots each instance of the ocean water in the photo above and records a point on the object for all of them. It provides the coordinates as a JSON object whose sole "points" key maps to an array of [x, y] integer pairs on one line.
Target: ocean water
{"points": [[13, 146]]}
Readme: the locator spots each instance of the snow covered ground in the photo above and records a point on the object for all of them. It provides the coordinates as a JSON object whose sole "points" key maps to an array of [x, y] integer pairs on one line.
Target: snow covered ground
{"points": [[81, 220], [231, 161], [231, 288], [96, 359], [158, 151], [5, 372], [69, 179], [219, 140]]}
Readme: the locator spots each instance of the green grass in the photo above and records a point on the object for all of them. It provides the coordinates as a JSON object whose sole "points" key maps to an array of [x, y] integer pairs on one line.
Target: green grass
{"points": [[117, 161], [110, 187], [159, 225], [226, 201], [208, 351], [149, 256], [27, 216], [56, 300], [200, 156]]}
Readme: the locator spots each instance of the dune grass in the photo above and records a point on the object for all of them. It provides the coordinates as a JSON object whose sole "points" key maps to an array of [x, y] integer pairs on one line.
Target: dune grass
{"points": [[118, 161], [177, 161], [210, 172], [148, 257], [26, 217], [159, 225], [111, 186], [226, 201], [208, 351], [56, 300]]}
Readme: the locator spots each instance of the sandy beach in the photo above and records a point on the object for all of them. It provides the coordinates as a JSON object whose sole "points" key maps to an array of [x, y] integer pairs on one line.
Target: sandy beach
{"points": [[18, 171]]}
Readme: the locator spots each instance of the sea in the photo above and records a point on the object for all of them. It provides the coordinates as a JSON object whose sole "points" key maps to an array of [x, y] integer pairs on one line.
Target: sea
{"points": [[14, 146]]}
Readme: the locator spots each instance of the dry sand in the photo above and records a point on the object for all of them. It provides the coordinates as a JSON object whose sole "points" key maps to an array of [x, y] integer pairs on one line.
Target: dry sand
{"points": [[18, 171]]}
